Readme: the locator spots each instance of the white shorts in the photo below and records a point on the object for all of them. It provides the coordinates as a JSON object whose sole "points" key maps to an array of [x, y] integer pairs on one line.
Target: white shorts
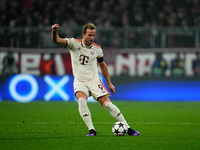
{"points": [[93, 88]]}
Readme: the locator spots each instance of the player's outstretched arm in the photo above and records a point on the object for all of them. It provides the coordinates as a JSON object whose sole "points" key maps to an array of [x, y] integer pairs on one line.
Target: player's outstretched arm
{"points": [[55, 37]]}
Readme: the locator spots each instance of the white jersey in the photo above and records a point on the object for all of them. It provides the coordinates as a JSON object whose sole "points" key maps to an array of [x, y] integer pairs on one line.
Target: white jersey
{"points": [[84, 59]]}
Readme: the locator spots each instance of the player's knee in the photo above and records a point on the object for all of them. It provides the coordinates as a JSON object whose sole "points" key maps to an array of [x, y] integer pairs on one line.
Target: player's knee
{"points": [[103, 100], [80, 94], [104, 103]]}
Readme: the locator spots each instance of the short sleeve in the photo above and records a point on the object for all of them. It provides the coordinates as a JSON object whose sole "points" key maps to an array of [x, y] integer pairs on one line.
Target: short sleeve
{"points": [[70, 42]]}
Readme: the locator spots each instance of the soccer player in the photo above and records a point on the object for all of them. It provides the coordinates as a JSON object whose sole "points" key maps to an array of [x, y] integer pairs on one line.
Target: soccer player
{"points": [[84, 56]]}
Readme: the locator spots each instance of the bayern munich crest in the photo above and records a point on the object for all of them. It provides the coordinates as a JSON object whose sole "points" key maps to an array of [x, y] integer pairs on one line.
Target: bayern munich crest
{"points": [[92, 52]]}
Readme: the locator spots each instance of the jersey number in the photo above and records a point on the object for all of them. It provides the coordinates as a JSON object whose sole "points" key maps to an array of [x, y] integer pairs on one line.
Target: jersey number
{"points": [[101, 88]]}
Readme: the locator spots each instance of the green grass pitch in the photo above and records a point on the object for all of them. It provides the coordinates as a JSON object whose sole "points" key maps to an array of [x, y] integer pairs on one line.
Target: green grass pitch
{"points": [[58, 126]]}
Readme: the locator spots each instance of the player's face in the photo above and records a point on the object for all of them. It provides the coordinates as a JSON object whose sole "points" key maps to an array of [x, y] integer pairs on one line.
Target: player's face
{"points": [[89, 36]]}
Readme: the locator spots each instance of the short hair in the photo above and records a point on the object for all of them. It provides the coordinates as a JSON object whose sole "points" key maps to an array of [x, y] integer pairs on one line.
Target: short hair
{"points": [[88, 26]]}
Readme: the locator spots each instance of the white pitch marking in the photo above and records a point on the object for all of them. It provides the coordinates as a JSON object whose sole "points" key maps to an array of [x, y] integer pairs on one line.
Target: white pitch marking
{"points": [[136, 123]]}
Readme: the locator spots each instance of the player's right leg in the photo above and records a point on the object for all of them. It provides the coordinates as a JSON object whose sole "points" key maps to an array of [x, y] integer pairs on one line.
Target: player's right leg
{"points": [[116, 113], [85, 112]]}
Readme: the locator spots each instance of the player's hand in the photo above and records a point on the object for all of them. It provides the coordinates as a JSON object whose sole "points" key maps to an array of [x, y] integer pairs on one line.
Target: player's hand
{"points": [[55, 27], [111, 88]]}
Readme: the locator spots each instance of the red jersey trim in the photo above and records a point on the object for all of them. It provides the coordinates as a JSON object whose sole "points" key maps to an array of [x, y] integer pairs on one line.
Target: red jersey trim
{"points": [[96, 45], [103, 85], [66, 43], [79, 40]]}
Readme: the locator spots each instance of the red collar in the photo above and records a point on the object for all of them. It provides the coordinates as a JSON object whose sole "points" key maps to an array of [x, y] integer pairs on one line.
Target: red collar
{"points": [[83, 45]]}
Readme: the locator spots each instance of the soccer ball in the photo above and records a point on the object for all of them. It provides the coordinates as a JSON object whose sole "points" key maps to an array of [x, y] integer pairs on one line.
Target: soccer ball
{"points": [[119, 128]]}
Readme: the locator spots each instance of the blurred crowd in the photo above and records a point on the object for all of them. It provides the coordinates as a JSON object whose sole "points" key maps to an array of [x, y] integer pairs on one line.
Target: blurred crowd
{"points": [[105, 13], [27, 23]]}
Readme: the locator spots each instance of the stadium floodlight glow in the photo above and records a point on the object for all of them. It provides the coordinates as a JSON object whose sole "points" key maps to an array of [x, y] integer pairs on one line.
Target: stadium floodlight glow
{"points": [[33, 90], [56, 88]]}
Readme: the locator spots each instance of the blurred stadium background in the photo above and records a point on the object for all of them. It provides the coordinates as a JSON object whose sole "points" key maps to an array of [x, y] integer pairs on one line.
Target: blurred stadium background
{"points": [[151, 48]]}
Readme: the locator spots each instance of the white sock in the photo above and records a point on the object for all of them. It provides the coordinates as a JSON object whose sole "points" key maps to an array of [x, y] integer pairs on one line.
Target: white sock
{"points": [[85, 113], [115, 112]]}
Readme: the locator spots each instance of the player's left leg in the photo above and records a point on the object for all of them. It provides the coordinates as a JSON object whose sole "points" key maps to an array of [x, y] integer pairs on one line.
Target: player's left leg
{"points": [[116, 113], [112, 109]]}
